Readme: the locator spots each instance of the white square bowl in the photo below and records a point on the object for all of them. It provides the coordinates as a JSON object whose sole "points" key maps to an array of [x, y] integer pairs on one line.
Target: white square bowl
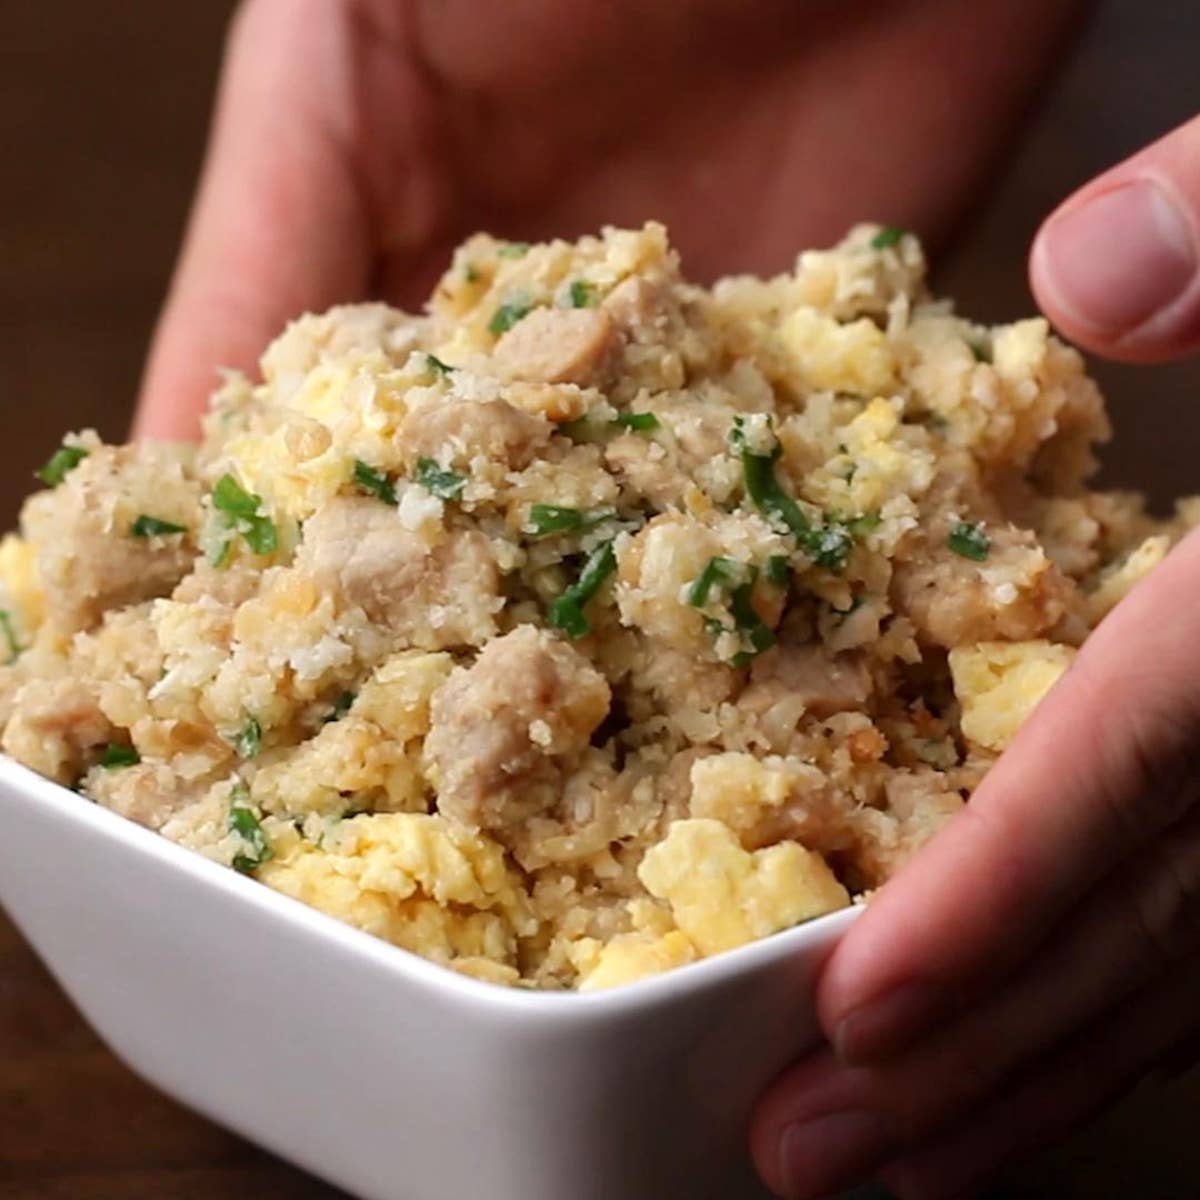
{"points": [[386, 1075]]}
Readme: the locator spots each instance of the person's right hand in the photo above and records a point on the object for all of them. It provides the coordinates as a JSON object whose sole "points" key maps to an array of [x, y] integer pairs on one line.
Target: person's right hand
{"points": [[356, 141]]}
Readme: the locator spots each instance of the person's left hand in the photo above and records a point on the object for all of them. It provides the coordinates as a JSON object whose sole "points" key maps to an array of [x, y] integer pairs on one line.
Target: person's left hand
{"points": [[1043, 953]]}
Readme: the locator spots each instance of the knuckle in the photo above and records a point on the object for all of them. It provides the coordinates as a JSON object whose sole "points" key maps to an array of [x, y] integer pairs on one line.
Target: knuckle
{"points": [[1166, 895]]}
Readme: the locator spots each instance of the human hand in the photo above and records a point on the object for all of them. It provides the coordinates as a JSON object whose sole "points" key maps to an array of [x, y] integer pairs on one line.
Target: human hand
{"points": [[356, 141], [1043, 953]]}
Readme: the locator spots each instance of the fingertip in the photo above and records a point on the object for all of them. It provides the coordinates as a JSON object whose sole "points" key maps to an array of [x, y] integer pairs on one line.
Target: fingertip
{"points": [[1117, 267]]}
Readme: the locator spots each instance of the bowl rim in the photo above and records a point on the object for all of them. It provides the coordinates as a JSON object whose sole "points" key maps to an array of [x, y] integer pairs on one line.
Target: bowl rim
{"points": [[655, 991]]}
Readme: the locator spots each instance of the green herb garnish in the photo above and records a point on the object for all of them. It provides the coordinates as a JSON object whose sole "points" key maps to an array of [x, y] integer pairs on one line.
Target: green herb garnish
{"points": [[827, 546], [747, 620], [641, 422], [374, 483], [147, 527], [439, 480], [248, 741], [778, 571], [981, 352], [581, 294], [566, 613], [969, 541], [507, 315], [62, 461], [545, 519], [436, 365], [244, 821], [117, 755], [341, 706], [717, 572], [888, 236], [241, 511], [513, 250], [10, 636], [471, 273]]}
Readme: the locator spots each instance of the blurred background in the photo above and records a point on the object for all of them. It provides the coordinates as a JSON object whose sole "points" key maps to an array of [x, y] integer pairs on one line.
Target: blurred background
{"points": [[103, 111]]}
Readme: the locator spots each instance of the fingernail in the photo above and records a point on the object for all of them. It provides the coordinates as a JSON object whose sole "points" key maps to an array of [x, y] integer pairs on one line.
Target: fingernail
{"points": [[882, 1026], [815, 1157], [1116, 260]]}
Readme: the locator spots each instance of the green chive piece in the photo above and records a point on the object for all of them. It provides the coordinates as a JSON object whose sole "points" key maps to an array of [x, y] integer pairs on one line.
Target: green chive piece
{"points": [[778, 571], [248, 741], [9, 631], [374, 483], [717, 572], [341, 706], [439, 480], [887, 237], [507, 315], [147, 527], [545, 519], [641, 422], [566, 613], [117, 755], [241, 511], [64, 460], [969, 541], [827, 546], [581, 294], [747, 620], [436, 365], [513, 250], [471, 273], [981, 352], [244, 821]]}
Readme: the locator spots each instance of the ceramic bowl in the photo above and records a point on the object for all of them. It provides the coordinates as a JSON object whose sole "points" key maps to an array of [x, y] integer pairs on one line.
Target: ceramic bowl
{"points": [[384, 1074]]}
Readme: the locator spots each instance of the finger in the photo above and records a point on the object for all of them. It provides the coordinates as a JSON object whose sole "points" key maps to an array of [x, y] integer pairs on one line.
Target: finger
{"points": [[1108, 761], [278, 226], [1117, 267], [1099, 1066], [1139, 927]]}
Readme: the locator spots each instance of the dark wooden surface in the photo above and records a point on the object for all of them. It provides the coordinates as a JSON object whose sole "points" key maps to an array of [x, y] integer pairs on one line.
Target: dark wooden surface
{"points": [[102, 114]]}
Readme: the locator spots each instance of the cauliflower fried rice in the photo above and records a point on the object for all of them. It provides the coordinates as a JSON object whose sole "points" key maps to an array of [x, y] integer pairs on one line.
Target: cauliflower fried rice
{"points": [[592, 622]]}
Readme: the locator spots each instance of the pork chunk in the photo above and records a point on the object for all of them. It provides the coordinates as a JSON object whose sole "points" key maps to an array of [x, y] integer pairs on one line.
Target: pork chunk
{"points": [[1016, 594], [560, 345], [55, 726], [88, 557], [503, 729], [826, 683], [458, 431], [432, 598]]}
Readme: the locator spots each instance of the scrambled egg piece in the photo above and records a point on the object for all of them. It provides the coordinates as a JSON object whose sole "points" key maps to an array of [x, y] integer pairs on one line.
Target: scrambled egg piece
{"points": [[1117, 583], [1000, 683], [723, 896], [419, 881]]}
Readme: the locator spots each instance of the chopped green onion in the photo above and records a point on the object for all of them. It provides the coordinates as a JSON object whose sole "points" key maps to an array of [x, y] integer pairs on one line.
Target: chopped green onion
{"points": [[716, 572], [545, 519], [241, 509], [747, 620], [147, 527], [566, 613], [471, 273], [981, 351], [118, 755], [513, 250], [374, 483], [62, 461], [969, 541], [827, 546], [507, 315], [778, 571], [439, 480], [436, 365], [581, 294], [244, 821], [887, 237], [248, 741], [641, 422], [341, 706], [10, 636]]}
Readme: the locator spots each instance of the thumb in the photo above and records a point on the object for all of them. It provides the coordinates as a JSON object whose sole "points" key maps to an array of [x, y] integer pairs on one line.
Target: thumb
{"points": [[278, 225], [1117, 267]]}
